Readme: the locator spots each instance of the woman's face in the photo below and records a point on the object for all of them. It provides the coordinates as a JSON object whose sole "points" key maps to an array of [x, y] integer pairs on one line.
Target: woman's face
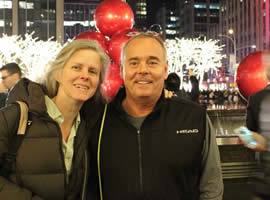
{"points": [[79, 78]]}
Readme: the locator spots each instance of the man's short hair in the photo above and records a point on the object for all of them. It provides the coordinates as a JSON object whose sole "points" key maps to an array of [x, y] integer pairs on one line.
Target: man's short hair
{"points": [[148, 34], [12, 68]]}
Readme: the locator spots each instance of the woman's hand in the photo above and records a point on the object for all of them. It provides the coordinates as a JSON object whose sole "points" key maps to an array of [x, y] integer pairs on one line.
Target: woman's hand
{"points": [[169, 94]]}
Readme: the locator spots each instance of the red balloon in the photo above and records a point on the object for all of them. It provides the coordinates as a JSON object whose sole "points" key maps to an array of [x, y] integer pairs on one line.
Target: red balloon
{"points": [[112, 83], [251, 74], [94, 35], [113, 15], [117, 42]]}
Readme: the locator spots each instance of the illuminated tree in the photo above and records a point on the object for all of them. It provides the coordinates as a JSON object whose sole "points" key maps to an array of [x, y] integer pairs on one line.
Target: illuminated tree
{"points": [[31, 54], [198, 55]]}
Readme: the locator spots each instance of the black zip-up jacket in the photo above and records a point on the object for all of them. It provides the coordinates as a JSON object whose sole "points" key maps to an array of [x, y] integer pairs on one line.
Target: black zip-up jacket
{"points": [[39, 171], [160, 161]]}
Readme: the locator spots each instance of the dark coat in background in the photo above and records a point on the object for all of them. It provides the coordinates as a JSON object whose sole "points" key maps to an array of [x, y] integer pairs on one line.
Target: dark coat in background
{"points": [[257, 120], [253, 108], [3, 97]]}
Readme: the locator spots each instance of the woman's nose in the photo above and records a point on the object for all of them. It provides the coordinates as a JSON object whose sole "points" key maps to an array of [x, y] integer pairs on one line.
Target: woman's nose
{"points": [[84, 75]]}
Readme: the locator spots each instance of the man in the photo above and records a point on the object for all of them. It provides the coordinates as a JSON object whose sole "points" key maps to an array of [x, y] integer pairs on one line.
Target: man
{"points": [[152, 147], [10, 75], [258, 120]]}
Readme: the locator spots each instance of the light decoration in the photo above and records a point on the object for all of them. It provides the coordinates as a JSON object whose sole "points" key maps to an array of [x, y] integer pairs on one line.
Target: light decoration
{"points": [[32, 55], [198, 55]]}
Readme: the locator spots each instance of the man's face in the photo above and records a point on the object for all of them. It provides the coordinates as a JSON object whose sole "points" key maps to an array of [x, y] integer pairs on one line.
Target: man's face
{"points": [[144, 69], [9, 80]]}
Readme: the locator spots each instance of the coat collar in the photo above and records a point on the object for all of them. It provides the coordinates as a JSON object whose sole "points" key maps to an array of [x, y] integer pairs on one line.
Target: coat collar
{"points": [[117, 102]]}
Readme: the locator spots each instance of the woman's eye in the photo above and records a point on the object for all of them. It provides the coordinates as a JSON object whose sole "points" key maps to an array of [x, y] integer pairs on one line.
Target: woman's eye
{"points": [[75, 67], [92, 71]]}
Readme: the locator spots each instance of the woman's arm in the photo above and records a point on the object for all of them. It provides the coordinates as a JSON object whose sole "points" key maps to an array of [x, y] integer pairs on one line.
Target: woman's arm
{"points": [[9, 118]]}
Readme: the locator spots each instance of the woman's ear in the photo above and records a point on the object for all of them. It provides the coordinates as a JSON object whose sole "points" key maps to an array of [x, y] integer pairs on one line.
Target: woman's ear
{"points": [[57, 76]]}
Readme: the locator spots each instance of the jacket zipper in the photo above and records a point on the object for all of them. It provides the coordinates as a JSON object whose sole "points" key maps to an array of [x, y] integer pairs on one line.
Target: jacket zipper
{"points": [[85, 174], [140, 160]]}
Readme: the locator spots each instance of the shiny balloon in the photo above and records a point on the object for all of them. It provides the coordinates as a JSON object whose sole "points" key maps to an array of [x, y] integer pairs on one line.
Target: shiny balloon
{"points": [[112, 83], [112, 16], [251, 74], [117, 42], [94, 35]]}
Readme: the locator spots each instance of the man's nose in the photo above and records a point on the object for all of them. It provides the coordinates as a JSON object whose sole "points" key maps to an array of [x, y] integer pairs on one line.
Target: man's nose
{"points": [[143, 67]]}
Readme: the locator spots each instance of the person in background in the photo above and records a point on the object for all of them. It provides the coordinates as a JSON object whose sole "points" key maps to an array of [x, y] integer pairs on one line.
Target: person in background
{"points": [[2, 95], [2, 88], [52, 161], [150, 147], [172, 83], [10, 75], [258, 120], [195, 92]]}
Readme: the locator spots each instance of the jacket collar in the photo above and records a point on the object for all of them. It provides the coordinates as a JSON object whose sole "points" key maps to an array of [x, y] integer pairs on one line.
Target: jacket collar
{"points": [[117, 102]]}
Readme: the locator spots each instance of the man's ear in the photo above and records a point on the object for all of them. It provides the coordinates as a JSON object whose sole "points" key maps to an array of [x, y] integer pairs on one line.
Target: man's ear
{"points": [[121, 71], [166, 71], [17, 76]]}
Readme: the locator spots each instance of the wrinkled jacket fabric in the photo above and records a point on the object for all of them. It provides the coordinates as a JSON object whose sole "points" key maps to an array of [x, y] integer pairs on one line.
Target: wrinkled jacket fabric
{"points": [[39, 171], [160, 161]]}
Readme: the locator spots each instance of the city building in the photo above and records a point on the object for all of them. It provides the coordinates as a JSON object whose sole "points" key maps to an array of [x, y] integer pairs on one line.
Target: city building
{"points": [[18, 17], [43, 18], [47, 19], [243, 27], [79, 17], [168, 17], [140, 9], [197, 17], [161, 16]]}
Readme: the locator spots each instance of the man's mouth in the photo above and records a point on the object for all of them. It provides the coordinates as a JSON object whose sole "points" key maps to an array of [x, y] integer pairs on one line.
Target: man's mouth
{"points": [[143, 82]]}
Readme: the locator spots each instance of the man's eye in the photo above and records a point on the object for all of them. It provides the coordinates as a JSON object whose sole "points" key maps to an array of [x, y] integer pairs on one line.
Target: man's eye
{"points": [[133, 63], [153, 63]]}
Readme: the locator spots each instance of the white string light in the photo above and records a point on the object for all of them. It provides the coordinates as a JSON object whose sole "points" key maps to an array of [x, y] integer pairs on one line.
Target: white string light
{"points": [[198, 55], [31, 54]]}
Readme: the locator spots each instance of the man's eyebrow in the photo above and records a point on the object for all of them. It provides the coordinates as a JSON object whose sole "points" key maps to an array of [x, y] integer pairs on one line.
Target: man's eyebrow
{"points": [[133, 59], [153, 58]]}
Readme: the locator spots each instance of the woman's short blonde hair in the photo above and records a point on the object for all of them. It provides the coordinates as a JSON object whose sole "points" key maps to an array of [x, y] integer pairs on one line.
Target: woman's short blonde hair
{"points": [[58, 64]]}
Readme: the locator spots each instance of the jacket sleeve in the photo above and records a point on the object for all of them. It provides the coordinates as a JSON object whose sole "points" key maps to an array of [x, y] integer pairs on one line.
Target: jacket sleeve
{"points": [[251, 121], [211, 183], [9, 190]]}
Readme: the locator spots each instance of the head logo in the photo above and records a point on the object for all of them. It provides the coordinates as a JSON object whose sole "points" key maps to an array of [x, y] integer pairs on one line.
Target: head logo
{"points": [[186, 131]]}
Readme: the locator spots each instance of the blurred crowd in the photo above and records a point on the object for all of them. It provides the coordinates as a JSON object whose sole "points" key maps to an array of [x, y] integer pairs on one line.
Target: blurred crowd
{"points": [[221, 97]]}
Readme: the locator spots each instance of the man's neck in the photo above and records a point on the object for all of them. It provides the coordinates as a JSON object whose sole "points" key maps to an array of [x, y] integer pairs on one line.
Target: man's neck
{"points": [[138, 108]]}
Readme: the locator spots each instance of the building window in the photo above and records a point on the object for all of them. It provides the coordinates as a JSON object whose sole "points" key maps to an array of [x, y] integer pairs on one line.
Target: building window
{"points": [[38, 16], [6, 17]]}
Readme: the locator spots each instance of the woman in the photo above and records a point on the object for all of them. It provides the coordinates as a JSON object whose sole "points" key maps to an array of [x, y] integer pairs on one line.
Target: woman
{"points": [[51, 162]]}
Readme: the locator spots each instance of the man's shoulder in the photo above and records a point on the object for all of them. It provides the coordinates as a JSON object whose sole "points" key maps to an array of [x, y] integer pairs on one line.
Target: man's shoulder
{"points": [[260, 94], [184, 104]]}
